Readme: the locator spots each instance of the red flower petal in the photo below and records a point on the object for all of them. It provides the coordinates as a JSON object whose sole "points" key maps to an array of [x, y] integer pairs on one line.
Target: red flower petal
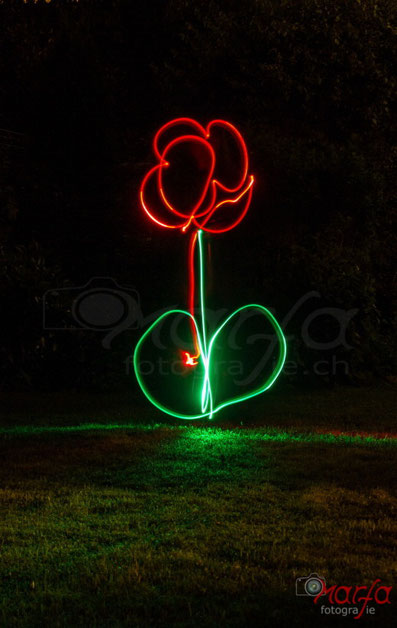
{"points": [[185, 174]]}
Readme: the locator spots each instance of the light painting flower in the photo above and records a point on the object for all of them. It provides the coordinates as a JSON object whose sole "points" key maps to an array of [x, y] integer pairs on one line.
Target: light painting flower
{"points": [[193, 185]]}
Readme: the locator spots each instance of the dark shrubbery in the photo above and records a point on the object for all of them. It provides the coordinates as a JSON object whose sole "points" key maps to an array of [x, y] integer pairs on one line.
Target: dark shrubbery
{"points": [[311, 85]]}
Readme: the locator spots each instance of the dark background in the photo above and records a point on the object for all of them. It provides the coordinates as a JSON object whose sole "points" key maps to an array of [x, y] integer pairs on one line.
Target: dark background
{"points": [[84, 86]]}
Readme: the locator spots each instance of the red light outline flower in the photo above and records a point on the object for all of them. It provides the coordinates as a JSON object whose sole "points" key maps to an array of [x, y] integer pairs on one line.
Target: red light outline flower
{"points": [[206, 206]]}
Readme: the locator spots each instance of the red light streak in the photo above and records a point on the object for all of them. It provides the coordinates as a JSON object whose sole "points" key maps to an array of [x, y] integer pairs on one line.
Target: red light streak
{"points": [[192, 248], [189, 360], [144, 205], [240, 217]]}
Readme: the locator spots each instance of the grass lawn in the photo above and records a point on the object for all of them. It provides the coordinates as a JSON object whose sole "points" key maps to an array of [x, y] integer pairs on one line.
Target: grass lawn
{"points": [[112, 515]]}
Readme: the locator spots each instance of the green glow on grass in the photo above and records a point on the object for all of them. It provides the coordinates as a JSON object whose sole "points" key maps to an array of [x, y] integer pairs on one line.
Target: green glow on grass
{"points": [[207, 403], [210, 434]]}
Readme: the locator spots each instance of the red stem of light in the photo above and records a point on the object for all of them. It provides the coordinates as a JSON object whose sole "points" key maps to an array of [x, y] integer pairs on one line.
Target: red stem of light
{"points": [[192, 249]]}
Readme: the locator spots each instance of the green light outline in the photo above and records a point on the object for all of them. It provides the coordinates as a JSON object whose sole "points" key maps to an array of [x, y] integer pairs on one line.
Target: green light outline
{"points": [[205, 356], [206, 393]]}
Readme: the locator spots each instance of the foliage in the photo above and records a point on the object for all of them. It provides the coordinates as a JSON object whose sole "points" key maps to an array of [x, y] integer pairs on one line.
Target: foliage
{"points": [[310, 83], [24, 276]]}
